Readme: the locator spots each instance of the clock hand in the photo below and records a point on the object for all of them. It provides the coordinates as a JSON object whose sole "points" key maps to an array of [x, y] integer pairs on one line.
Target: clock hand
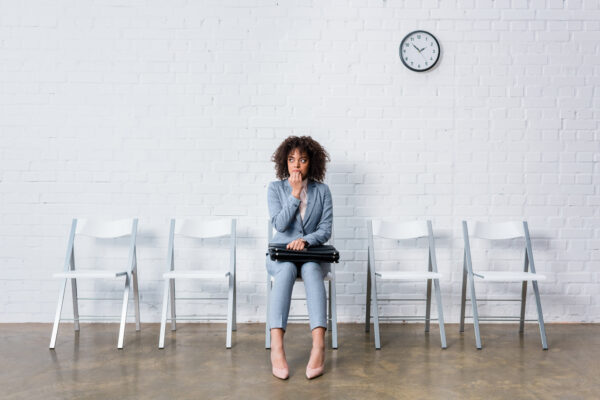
{"points": [[416, 48], [422, 49]]}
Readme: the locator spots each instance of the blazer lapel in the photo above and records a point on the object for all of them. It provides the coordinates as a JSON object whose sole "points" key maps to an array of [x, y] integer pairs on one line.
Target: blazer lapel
{"points": [[311, 196]]}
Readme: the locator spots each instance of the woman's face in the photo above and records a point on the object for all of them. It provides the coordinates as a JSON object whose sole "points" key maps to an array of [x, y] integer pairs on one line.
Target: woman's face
{"points": [[298, 162]]}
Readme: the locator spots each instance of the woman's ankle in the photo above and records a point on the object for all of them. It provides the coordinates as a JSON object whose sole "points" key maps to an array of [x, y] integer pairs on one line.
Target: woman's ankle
{"points": [[319, 345], [277, 348], [318, 338]]}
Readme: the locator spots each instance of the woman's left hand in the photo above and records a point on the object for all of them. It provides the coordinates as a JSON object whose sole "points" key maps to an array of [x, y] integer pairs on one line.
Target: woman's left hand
{"points": [[297, 244]]}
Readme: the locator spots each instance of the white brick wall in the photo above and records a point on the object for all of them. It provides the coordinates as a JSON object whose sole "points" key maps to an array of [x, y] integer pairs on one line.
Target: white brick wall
{"points": [[158, 109]]}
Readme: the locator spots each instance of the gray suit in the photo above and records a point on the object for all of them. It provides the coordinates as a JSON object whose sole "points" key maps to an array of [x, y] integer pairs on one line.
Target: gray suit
{"points": [[315, 229]]}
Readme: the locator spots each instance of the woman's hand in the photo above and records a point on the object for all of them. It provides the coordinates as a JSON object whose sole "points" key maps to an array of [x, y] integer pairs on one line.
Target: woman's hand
{"points": [[298, 244], [295, 181]]}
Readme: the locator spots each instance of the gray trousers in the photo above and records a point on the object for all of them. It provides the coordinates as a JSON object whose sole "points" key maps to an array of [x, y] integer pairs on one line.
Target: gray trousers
{"points": [[285, 274]]}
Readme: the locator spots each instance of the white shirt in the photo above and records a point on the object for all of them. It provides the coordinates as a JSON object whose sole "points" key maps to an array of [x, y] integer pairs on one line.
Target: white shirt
{"points": [[303, 198]]}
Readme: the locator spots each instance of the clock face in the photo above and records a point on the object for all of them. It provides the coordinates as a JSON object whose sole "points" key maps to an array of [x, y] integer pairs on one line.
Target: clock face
{"points": [[419, 51]]}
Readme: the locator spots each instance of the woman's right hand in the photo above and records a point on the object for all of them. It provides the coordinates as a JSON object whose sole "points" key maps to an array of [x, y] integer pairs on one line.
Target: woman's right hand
{"points": [[295, 181]]}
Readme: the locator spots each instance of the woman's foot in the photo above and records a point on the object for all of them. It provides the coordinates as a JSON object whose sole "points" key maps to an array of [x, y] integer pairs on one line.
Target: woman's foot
{"points": [[279, 363], [316, 363]]}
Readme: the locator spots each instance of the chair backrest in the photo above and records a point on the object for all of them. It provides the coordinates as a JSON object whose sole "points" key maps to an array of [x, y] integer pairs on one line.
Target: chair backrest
{"points": [[196, 228], [203, 229], [105, 229], [400, 230], [497, 230]]}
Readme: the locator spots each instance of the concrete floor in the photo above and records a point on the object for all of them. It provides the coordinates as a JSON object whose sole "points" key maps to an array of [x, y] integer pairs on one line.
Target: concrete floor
{"points": [[196, 365]]}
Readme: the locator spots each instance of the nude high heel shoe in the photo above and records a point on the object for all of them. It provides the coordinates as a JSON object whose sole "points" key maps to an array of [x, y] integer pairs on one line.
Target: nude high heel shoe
{"points": [[312, 373], [281, 373]]}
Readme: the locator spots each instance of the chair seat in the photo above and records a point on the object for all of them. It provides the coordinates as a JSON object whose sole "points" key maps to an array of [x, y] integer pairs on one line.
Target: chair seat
{"points": [[90, 273], [195, 274], [408, 275], [507, 276]]}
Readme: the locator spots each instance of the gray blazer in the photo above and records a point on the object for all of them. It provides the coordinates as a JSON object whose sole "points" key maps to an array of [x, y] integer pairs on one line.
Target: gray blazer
{"points": [[284, 210]]}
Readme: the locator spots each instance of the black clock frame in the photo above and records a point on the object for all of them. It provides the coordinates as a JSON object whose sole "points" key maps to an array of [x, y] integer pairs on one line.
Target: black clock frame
{"points": [[432, 65]]}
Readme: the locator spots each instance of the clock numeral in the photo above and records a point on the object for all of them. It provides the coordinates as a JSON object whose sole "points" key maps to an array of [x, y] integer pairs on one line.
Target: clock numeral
{"points": [[426, 63], [419, 65], [418, 36], [405, 58], [412, 39]]}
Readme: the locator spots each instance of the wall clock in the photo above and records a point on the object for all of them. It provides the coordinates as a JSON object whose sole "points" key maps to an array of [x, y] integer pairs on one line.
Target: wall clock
{"points": [[419, 51]]}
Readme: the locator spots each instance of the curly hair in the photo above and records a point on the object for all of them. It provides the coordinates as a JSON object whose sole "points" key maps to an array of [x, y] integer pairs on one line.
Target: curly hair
{"points": [[317, 157]]}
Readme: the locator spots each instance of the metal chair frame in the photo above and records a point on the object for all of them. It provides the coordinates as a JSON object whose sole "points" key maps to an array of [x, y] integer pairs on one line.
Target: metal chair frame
{"points": [[104, 230], [401, 231], [499, 231], [197, 229]]}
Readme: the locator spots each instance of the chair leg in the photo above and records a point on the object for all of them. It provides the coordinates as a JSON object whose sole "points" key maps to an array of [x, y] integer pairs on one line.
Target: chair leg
{"points": [[123, 313], [163, 315], [524, 293], [61, 298], [523, 301], [438, 300], [234, 326], [375, 314], [229, 313], [173, 313], [329, 306], [475, 313], [75, 305], [333, 304], [136, 298], [368, 303], [428, 306], [463, 300], [267, 328], [540, 315]]}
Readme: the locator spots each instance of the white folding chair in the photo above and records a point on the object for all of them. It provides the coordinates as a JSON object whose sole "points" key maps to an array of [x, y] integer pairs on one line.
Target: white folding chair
{"points": [[101, 230], [500, 231], [194, 228], [402, 231], [331, 303]]}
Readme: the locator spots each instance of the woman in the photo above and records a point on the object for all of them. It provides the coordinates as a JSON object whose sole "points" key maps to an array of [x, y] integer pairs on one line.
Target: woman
{"points": [[301, 212]]}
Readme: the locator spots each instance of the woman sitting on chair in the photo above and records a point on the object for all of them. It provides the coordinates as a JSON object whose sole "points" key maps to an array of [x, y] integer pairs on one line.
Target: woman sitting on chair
{"points": [[301, 212]]}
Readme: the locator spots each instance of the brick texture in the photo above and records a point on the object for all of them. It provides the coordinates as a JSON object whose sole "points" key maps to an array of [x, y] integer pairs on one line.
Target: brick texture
{"points": [[173, 109]]}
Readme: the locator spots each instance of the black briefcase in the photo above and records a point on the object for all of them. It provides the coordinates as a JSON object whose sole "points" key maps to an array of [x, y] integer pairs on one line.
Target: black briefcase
{"points": [[323, 253]]}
